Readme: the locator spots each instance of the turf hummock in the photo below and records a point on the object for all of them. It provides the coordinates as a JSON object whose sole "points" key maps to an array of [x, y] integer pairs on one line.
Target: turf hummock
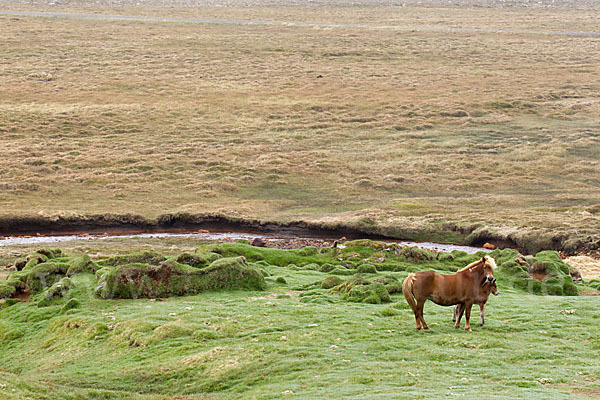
{"points": [[170, 278]]}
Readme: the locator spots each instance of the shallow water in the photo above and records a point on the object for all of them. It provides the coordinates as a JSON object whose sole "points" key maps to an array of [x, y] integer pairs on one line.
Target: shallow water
{"points": [[19, 240], [444, 247]]}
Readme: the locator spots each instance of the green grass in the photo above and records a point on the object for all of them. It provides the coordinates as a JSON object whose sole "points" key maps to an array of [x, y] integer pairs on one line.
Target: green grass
{"points": [[238, 345], [296, 340]]}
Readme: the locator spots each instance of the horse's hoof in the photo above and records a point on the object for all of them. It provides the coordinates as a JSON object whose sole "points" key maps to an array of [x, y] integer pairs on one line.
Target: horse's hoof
{"points": [[457, 326], [468, 330], [426, 327]]}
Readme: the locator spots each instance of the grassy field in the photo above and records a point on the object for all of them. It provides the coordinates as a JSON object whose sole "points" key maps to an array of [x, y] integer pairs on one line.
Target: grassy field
{"points": [[406, 115], [294, 341], [407, 127]]}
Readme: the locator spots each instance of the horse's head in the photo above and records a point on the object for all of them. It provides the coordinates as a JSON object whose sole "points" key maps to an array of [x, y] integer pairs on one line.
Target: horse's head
{"points": [[494, 288], [483, 269], [488, 269], [491, 286]]}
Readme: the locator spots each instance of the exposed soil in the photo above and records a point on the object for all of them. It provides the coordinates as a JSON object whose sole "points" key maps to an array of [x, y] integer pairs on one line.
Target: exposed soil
{"points": [[22, 296], [539, 276], [589, 292]]}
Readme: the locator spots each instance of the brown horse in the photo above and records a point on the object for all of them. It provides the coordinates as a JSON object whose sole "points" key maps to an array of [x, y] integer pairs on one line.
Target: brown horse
{"points": [[484, 294], [463, 287]]}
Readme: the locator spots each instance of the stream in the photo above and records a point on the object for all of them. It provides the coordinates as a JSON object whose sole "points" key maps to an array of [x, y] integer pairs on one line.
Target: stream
{"points": [[27, 240]]}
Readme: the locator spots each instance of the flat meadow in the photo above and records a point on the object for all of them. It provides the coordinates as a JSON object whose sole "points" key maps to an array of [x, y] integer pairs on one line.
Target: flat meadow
{"points": [[493, 123], [410, 115]]}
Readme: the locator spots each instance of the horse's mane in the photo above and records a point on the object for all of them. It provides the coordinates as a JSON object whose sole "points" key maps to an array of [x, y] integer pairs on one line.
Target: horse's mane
{"points": [[488, 260]]}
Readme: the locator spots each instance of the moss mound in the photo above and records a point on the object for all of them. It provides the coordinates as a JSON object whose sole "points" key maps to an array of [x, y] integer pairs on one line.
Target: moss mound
{"points": [[360, 290], [150, 257], [7, 290], [282, 258], [415, 254], [516, 270], [43, 269], [142, 274], [374, 293], [197, 260], [327, 267], [391, 283], [135, 332], [366, 269], [132, 281], [595, 283], [308, 251], [174, 330], [45, 274], [82, 264], [34, 259], [69, 305], [58, 289], [549, 263], [312, 266], [331, 282]]}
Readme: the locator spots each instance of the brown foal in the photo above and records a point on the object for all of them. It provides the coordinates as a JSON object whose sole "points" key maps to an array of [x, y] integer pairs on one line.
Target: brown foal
{"points": [[488, 288], [464, 287]]}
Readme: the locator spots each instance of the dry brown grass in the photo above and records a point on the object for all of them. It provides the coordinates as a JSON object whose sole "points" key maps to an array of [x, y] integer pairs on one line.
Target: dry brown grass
{"points": [[318, 123], [588, 267]]}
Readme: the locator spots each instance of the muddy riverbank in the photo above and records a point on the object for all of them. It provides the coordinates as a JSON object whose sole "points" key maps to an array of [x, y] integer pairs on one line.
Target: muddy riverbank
{"points": [[111, 224], [527, 241]]}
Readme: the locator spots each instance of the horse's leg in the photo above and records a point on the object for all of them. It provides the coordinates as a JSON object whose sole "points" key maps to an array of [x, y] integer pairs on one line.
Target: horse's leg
{"points": [[468, 316], [408, 290], [482, 312], [415, 308], [454, 313], [420, 305], [418, 319], [460, 311]]}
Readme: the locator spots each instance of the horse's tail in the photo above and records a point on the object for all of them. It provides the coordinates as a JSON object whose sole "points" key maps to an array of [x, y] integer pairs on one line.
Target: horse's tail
{"points": [[407, 290]]}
